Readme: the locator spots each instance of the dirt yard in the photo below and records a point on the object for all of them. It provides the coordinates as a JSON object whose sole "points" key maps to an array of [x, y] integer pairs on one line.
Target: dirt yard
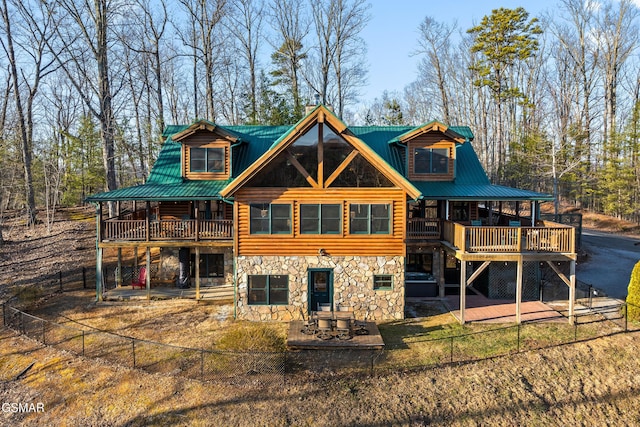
{"points": [[588, 383]]}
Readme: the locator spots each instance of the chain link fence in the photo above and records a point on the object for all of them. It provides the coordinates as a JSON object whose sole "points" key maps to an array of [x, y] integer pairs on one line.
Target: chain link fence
{"points": [[274, 368], [260, 368]]}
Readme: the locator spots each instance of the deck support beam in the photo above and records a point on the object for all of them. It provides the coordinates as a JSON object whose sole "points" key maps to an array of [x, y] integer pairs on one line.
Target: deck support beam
{"points": [[463, 290], [99, 273], [119, 270], [197, 273], [519, 291], [148, 275], [572, 290]]}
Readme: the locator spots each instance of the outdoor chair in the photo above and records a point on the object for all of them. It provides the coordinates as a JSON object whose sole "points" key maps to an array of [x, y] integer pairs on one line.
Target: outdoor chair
{"points": [[308, 325], [141, 281], [343, 328], [324, 306], [360, 326], [324, 328]]}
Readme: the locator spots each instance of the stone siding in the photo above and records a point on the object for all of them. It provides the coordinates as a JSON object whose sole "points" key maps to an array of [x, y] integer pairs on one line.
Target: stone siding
{"points": [[352, 285]]}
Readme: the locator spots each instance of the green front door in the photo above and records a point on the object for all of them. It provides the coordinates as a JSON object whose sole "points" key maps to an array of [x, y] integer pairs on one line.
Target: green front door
{"points": [[320, 287]]}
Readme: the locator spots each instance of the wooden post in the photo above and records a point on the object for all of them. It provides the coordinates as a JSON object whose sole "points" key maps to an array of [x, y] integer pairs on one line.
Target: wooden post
{"points": [[572, 290], [119, 271], [197, 273], [99, 273], [197, 225], [148, 276], [519, 291], [147, 219], [463, 289]]}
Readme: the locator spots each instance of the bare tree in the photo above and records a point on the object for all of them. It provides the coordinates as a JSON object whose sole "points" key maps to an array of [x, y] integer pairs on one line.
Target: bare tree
{"points": [[33, 40], [84, 35], [617, 37], [573, 33], [338, 24], [245, 23], [434, 42], [203, 17]]}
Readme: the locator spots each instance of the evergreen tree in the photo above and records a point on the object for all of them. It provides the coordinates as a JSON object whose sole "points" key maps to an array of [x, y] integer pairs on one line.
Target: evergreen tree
{"points": [[503, 39]]}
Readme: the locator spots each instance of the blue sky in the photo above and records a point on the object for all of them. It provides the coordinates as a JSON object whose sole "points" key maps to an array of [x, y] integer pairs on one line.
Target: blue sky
{"points": [[392, 34]]}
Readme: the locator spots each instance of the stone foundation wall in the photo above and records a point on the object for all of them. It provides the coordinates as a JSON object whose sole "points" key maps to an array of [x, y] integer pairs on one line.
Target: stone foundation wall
{"points": [[352, 285]]}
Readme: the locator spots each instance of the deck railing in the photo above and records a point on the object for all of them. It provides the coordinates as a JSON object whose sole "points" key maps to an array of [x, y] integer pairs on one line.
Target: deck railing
{"points": [[545, 237], [423, 228], [166, 229]]}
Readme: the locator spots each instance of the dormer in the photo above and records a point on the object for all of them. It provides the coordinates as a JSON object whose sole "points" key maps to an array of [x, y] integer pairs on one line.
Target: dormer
{"points": [[206, 151], [431, 152]]}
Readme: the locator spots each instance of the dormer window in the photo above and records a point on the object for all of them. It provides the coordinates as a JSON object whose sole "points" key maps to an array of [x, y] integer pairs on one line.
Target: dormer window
{"points": [[207, 159], [431, 161]]}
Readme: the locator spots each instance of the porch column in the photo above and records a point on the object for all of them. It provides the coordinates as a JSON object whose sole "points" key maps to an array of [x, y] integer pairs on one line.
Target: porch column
{"points": [[463, 289], [519, 290], [534, 212], [119, 274], [148, 276], [197, 273], [99, 273], [98, 252], [572, 289]]}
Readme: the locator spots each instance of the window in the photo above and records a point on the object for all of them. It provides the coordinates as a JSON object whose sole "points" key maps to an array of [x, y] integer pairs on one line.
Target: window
{"points": [[268, 289], [459, 211], [266, 218], [369, 219], [211, 265], [320, 219], [431, 160], [206, 159], [382, 282]]}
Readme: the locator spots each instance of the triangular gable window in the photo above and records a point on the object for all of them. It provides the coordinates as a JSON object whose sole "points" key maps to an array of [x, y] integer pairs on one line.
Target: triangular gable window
{"points": [[280, 172], [320, 158]]}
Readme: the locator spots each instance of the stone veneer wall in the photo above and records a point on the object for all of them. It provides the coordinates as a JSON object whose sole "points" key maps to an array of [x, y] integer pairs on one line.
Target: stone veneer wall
{"points": [[352, 285]]}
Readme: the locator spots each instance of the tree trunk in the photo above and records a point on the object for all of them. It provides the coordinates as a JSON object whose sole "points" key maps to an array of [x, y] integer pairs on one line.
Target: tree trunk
{"points": [[25, 143]]}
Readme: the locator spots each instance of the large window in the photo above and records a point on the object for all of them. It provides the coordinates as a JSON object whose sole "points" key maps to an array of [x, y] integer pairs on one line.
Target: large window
{"points": [[270, 289], [431, 160], [369, 219], [206, 159], [211, 265], [320, 219], [270, 218]]}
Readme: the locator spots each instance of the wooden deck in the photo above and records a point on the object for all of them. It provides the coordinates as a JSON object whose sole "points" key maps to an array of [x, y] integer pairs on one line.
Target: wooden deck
{"points": [[482, 309], [297, 340]]}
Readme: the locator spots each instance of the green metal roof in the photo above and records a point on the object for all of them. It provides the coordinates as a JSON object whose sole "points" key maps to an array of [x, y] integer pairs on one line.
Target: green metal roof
{"points": [[166, 182]]}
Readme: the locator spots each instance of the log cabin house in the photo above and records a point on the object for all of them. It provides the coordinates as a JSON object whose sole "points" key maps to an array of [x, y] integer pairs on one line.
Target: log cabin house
{"points": [[290, 217]]}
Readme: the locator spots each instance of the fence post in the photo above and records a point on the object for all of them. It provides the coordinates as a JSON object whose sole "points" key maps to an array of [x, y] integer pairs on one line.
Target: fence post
{"points": [[84, 277], [518, 337], [202, 365], [133, 351]]}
